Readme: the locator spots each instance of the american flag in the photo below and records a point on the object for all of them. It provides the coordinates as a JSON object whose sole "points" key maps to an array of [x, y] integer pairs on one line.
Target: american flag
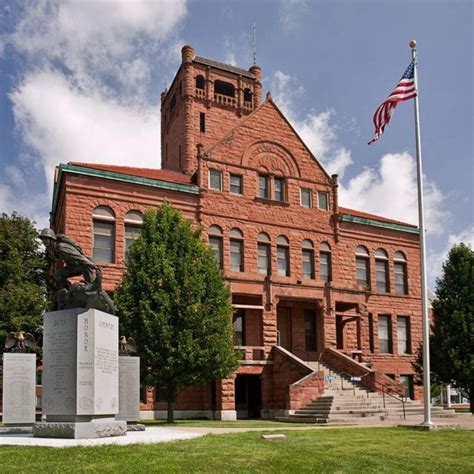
{"points": [[404, 90]]}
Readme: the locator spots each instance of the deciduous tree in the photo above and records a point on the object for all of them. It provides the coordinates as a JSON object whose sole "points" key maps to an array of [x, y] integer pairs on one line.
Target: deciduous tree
{"points": [[176, 305]]}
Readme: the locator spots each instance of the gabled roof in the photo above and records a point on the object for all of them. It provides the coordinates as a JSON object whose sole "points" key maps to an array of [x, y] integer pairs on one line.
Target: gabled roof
{"points": [[267, 103], [150, 173], [223, 66]]}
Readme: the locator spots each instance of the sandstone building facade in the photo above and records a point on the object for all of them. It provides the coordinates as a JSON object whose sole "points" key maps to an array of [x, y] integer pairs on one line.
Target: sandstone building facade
{"points": [[310, 280]]}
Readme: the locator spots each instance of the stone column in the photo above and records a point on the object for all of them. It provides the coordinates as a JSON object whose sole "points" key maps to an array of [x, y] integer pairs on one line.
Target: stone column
{"points": [[225, 399]]}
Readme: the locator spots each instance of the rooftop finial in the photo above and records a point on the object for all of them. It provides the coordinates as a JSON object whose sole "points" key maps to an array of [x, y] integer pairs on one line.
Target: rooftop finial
{"points": [[254, 45]]}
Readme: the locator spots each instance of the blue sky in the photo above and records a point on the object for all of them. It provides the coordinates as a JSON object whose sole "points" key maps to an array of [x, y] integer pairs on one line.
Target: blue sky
{"points": [[80, 81]]}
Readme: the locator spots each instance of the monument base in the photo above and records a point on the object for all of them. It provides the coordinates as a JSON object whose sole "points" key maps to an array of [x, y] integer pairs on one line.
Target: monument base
{"points": [[79, 430]]}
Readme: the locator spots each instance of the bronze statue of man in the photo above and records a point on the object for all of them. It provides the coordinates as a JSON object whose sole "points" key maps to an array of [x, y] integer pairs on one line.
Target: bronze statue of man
{"points": [[61, 247]]}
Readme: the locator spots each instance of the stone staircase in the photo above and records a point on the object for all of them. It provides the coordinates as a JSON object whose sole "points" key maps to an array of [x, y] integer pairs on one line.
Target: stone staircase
{"points": [[346, 401]]}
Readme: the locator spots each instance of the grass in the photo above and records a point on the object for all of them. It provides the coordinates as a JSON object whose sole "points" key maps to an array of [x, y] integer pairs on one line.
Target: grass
{"points": [[222, 424], [337, 450]]}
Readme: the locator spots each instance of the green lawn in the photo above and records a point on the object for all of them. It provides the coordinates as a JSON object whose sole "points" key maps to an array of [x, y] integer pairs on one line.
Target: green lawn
{"points": [[334, 450], [223, 424]]}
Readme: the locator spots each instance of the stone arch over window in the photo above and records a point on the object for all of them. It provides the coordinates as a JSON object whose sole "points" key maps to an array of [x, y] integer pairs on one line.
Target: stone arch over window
{"points": [[264, 254], [224, 88], [133, 221], [381, 271], [200, 82], [362, 266], [271, 157], [236, 250], [325, 264], [307, 256], [216, 244], [103, 245], [401, 273]]}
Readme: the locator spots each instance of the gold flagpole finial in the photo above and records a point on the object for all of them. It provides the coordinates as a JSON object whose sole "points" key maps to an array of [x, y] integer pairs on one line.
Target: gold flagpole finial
{"points": [[412, 44]]}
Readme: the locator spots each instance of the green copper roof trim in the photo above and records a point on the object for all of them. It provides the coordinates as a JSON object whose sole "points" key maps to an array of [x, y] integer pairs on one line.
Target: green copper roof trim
{"points": [[156, 183], [375, 223]]}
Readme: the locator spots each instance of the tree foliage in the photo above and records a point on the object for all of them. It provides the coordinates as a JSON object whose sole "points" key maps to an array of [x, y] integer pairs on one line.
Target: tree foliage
{"points": [[452, 338], [22, 275], [174, 302]]}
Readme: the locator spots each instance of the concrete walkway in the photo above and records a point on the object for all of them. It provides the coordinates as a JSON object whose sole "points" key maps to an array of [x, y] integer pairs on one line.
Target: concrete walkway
{"points": [[163, 434]]}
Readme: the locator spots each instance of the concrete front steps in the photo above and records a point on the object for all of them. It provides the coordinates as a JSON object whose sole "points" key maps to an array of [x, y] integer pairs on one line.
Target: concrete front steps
{"points": [[347, 402]]}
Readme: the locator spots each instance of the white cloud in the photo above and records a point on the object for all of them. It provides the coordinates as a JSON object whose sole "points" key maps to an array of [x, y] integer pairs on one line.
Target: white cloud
{"points": [[290, 12], [75, 126], [436, 259]]}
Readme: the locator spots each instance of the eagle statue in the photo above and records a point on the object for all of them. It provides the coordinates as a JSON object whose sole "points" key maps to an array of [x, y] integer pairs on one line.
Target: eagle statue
{"points": [[20, 341], [126, 346]]}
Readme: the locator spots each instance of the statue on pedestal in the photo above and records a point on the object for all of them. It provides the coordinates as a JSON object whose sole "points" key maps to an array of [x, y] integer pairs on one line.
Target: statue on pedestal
{"points": [[87, 294], [20, 342]]}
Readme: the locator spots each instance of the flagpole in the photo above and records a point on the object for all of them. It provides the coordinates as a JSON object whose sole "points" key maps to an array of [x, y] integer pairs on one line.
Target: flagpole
{"points": [[424, 299]]}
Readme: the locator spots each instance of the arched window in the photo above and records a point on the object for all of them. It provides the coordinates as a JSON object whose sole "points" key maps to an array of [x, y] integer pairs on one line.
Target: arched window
{"points": [[104, 235], [401, 277], [325, 261], [308, 259], [200, 82], [283, 256], [215, 242], [263, 254], [133, 222], [381, 271], [362, 266], [224, 88], [236, 250]]}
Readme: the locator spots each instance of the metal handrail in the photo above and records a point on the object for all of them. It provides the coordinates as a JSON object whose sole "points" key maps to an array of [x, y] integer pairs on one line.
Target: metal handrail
{"points": [[386, 389]]}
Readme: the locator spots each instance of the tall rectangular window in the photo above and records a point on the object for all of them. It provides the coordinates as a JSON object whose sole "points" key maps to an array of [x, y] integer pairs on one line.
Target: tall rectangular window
{"points": [[202, 122], [279, 189], [263, 251], [385, 334], [403, 335], [236, 255], [401, 287], [325, 266], [103, 251], [215, 180], [381, 271], [263, 186], [323, 200], [236, 184], [310, 330], [216, 244], [362, 271], [132, 232], [238, 322], [308, 263], [407, 382], [283, 260], [305, 197]]}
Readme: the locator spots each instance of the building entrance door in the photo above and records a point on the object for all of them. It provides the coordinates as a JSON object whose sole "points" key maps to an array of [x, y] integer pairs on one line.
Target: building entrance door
{"points": [[248, 396], [284, 327]]}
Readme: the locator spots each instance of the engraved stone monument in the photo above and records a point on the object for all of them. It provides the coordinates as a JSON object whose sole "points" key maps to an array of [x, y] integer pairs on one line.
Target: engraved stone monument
{"points": [[19, 389], [129, 389], [80, 375]]}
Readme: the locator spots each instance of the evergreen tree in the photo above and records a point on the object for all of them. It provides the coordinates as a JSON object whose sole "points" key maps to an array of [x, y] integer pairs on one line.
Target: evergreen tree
{"points": [[22, 276], [452, 338], [174, 302]]}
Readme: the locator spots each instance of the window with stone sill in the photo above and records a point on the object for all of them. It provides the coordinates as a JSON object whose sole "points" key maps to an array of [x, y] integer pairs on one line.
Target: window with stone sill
{"points": [[308, 259], [215, 180], [283, 256], [215, 242], [104, 235], [403, 335], [306, 197], [263, 254], [323, 201], [263, 188], [133, 221], [362, 266], [401, 277], [325, 262], [381, 271], [236, 250], [385, 334], [236, 186], [279, 189]]}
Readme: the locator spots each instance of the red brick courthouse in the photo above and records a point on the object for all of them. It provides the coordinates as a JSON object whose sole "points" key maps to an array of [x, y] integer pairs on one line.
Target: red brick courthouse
{"points": [[310, 280]]}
